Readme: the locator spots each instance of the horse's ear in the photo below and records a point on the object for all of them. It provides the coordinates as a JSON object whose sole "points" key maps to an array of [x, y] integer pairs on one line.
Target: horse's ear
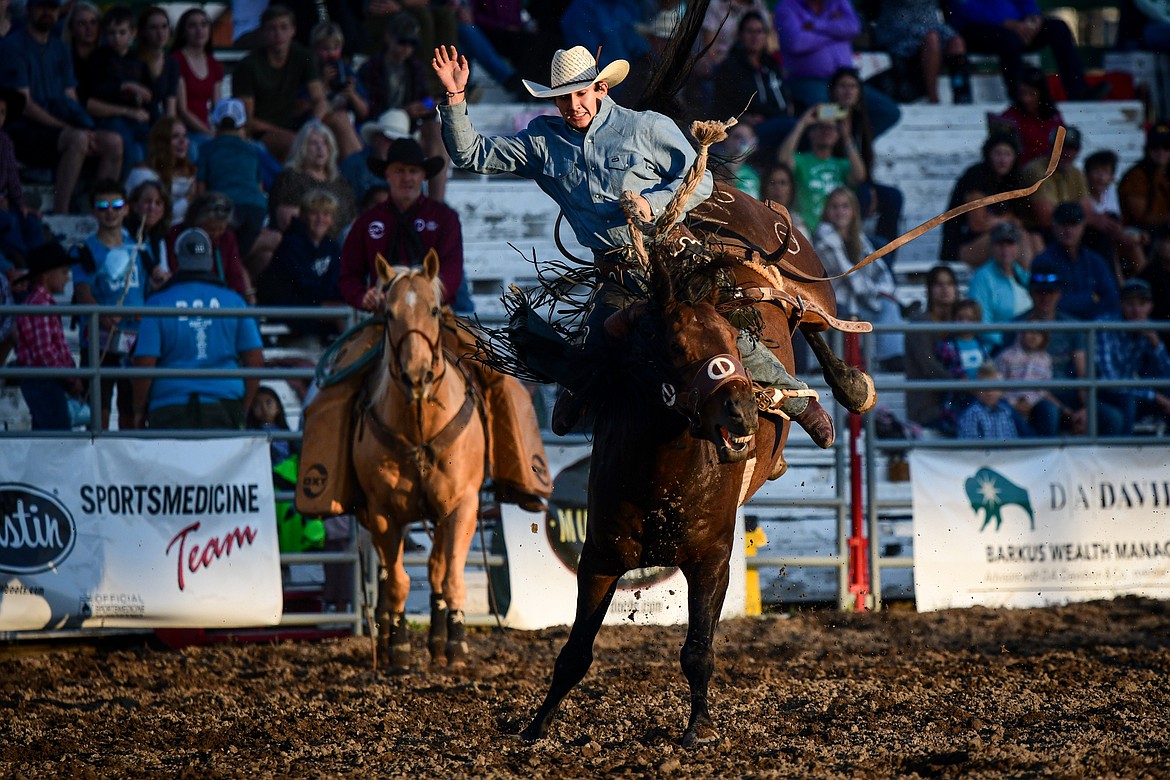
{"points": [[385, 270], [431, 263]]}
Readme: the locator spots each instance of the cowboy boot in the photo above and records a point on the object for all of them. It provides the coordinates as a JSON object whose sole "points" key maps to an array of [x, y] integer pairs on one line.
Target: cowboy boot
{"points": [[817, 423], [510, 494], [568, 411]]}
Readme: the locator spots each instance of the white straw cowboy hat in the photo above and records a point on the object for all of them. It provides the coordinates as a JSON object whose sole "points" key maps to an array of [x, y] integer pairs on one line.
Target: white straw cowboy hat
{"points": [[575, 69], [393, 124]]}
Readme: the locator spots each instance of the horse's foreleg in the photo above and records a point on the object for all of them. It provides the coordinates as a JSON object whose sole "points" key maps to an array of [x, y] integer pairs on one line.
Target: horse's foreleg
{"points": [[393, 587], [436, 575], [706, 587], [452, 545], [852, 387], [594, 593]]}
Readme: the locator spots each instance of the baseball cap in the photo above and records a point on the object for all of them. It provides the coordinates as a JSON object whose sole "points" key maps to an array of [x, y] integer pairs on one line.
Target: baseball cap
{"points": [[1072, 136], [193, 250], [1005, 231], [229, 108], [1068, 213], [1158, 135], [1137, 288]]}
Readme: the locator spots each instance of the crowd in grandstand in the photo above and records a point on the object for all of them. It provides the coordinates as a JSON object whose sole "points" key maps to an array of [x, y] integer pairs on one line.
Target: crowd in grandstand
{"points": [[332, 121]]}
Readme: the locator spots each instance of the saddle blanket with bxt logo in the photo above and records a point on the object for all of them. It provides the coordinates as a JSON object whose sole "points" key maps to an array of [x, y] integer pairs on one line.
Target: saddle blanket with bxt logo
{"points": [[135, 533], [1037, 527]]}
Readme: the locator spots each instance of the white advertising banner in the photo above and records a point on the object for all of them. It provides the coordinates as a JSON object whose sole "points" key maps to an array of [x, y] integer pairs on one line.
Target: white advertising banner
{"points": [[136, 533], [1029, 528], [543, 553]]}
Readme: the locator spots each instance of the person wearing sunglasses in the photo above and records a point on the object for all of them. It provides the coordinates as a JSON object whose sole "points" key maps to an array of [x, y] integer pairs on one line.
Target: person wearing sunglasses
{"points": [[110, 271]]}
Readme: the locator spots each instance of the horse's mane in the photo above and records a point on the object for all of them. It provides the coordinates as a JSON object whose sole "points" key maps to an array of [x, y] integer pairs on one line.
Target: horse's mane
{"points": [[670, 72], [417, 270]]}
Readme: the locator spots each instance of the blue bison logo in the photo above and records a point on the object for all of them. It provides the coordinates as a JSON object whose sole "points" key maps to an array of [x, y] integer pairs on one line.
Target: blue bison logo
{"points": [[990, 491]]}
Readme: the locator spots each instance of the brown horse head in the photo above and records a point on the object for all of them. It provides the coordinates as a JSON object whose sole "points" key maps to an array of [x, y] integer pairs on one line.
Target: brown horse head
{"points": [[411, 306], [707, 383]]}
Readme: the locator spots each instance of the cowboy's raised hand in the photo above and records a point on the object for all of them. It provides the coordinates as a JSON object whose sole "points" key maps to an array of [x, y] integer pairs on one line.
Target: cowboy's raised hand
{"points": [[452, 69]]}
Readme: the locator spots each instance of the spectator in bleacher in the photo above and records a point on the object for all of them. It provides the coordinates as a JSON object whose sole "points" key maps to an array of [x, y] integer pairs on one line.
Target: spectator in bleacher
{"points": [[1066, 184], [378, 136], [1009, 28], [748, 85], [306, 266], [1089, 290], [110, 271], [1106, 233], [343, 92], [925, 407], [215, 403], [20, 226], [1032, 116], [6, 23], [1067, 348], [119, 91], [312, 165], [816, 39], [845, 89], [1000, 286], [779, 185], [832, 160], [1145, 188], [230, 165], [1157, 273], [148, 221], [201, 76], [1134, 354], [162, 72], [271, 80], [738, 154], [869, 292], [722, 31], [968, 238], [395, 78], [168, 162], [610, 26], [1143, 26], [54, 129], [960, 353], [914, 31], [40, 340], [212, 212], [402, 228], [83, 32], [1028, 360], [991, 417], [527, 46]]}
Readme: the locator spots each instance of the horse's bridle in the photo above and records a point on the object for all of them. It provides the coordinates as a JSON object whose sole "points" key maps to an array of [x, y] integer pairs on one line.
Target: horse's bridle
{"points": [[395, 347], [706, 379]]}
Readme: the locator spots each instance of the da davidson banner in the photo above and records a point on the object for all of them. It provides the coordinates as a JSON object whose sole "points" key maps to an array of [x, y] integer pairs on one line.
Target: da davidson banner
{"points": [[134, 533], [543, 551], [1028, 528]]}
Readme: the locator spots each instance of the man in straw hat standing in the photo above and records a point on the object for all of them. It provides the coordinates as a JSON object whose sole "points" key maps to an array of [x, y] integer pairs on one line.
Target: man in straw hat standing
{"points": [[584, 159]]}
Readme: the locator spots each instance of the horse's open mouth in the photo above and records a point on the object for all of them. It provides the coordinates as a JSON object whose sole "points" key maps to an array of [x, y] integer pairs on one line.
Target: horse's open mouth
{"points": [[734, 443]]}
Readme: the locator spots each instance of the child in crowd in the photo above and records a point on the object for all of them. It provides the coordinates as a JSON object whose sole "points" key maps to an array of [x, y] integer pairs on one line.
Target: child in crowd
{"points": [[991, 417], [230, 164], [1027, 360], [20, 227], [121, 97], [267, 414], [149, 220], [306, 265], [1033, 116], [40, 340], [110, 271], [960, 355], [344, 93]]}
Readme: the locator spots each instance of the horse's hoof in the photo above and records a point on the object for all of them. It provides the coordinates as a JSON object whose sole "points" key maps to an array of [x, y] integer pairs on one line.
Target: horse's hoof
{"points": [[856, 392], [699, 734], [456, 654], [533, 732], [400, 659]]}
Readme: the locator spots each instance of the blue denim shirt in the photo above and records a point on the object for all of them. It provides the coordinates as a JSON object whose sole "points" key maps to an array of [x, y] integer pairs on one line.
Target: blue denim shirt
{"points": [[585, 173]]}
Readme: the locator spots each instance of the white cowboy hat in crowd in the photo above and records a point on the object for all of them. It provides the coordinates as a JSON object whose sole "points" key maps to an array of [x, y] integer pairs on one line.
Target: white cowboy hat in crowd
{"points": [[393, 124], [575, 69]]}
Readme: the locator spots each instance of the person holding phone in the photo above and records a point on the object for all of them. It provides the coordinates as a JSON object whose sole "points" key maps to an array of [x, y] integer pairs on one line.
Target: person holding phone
{"points": [[832, 161]]}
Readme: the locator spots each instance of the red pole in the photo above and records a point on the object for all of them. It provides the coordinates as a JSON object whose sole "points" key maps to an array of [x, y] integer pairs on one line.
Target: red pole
{"points": [[859, 583]]}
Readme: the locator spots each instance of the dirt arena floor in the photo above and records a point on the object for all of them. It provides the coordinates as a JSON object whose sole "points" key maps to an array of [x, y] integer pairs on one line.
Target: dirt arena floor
{"points": [[1078, 691]]}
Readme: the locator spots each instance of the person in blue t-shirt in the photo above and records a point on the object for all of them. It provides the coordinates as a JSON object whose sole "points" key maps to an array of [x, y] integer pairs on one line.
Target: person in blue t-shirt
{"points": [[230, 163], [110, 271], [209, 403]]}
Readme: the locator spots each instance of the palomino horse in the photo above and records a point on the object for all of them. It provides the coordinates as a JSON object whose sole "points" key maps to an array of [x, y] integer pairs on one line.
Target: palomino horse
{"points": [[418, 453]]}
